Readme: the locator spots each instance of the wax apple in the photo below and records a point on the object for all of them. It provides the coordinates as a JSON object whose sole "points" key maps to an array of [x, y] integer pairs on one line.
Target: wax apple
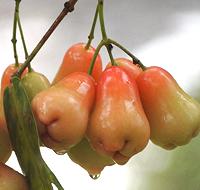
{"points": [[78, 58], [34, 82], [85, 156], [174, 116], [7, 74], [5, 145], [11, 179], [132, 69], [63, 110], [118, 126]]}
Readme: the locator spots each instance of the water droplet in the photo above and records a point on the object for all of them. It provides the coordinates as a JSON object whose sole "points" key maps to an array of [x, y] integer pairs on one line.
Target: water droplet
{"points": [[61, 152], [96, 176]]}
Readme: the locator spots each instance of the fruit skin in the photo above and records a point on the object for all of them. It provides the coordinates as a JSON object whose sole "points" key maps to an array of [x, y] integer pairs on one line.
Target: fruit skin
{"points": [[34, 83], [64, 109], [118, 126], [132, 69], [77, 59], [5, 144], [7, 74], [85, 156], [11, 179], [174, 116]]}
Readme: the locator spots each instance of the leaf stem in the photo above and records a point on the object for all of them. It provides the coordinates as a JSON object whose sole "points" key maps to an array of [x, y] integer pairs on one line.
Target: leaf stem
{"points": [[101, 18], [22, 37], [91, 35], [23, 42], [109, 48], [68, 7], [103, 31], [14, 38], [101, 44], [135, 59]]}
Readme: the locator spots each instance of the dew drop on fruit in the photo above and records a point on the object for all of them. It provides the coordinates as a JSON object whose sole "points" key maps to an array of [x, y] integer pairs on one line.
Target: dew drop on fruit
{"points": [[60, 152], [96, 176]]}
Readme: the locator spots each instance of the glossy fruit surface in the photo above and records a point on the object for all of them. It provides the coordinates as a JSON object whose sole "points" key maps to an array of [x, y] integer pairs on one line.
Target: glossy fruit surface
{"points": [[133, 70], [11, 179], [118, 126], [34, 83], [64, 109], [85, 156], [5, 145], [7, 74], [77, 59], [174, 116]]}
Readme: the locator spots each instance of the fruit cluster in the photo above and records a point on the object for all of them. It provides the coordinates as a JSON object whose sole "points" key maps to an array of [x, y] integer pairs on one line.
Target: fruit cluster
{"points": [[97, 116], [109, 116]]}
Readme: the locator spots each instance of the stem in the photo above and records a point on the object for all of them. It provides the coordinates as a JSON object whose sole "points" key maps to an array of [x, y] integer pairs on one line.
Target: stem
{"points": [[103, 31], [14, 39], [135, 59], [109, 49], [68, 7], [91, 35], [22, 37], [101, 18], [23, 42], [101, 44]]}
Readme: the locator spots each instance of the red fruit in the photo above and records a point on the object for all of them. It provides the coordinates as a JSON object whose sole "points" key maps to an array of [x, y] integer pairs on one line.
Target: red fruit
{"points": [[84, 155], [174, 116], [11, 179], [132, 69], [118, 126], [5, 144], [7, 74], [63, 110], [78, 59]]}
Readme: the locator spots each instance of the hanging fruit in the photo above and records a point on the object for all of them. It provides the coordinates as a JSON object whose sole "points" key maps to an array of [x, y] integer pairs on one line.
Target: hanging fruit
{"points": [[63, 110], [85, 156], [131, 68], [78, 58], [7, 74], [34, 83], [5, 145], [118, 126], [11, 179], [174, 116]]}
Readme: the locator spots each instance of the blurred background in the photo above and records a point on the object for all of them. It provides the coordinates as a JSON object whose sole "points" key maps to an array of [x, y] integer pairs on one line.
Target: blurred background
{"points": [[163, 33]]}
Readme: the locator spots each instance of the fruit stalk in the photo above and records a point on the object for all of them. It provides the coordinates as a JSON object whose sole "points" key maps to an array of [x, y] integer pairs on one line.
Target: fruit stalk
{"points": [[22, 37], [101, 44], [135, 59], [103, 31], [91, 35], [23, 41], [107, 42], [14, 38], [68, 7]]}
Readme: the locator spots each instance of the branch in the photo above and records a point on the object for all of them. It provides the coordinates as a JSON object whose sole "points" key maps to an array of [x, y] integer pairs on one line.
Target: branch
{"points": [[68, 7]]}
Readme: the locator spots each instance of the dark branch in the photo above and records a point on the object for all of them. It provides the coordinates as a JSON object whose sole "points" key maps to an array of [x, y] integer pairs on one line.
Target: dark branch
{"points": [[68, 7]]}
